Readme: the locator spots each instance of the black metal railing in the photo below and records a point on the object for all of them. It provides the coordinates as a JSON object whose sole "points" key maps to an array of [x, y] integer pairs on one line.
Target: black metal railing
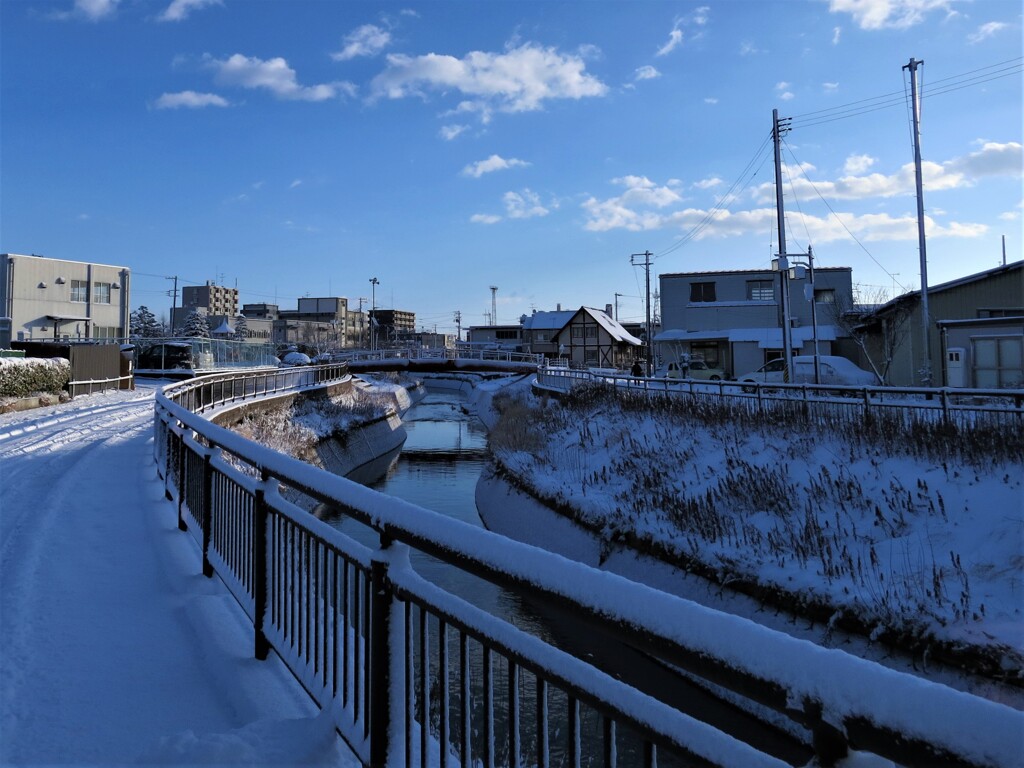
{"points": [[415, 676]]}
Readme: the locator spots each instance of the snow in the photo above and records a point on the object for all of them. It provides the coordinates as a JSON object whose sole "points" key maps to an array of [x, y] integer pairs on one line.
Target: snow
{"points": [[113, 647]]}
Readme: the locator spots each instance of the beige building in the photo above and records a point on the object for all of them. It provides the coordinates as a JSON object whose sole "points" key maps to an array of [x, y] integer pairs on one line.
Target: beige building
{"points": [[54, 299], [210, 300]]}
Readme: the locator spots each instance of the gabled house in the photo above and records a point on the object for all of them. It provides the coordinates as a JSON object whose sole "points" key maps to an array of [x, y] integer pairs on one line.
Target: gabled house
{"points": [[594, 340], [979, 316], [733, 319], [540, 329]]}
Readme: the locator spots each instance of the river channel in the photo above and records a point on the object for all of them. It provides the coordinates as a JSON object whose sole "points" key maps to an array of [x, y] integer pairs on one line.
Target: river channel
{"points": [[438, 468]]}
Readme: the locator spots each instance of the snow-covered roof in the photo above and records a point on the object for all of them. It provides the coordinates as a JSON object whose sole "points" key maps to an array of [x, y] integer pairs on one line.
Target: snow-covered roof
{"points": [[548, 321], [224, 329], [614, 329]]}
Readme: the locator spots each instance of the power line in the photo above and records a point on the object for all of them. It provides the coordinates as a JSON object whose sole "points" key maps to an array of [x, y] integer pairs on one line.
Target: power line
{"points": [[896, 98], [740, 183]]}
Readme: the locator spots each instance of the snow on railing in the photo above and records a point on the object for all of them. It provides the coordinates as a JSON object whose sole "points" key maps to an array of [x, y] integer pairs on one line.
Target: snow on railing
{"points": [[944, 401], [372, 641]]}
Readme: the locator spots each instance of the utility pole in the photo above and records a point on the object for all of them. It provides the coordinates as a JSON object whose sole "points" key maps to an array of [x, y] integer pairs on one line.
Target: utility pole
{"points": [[617, 305], [458, 325], [362, 323], [174, 300], [494, 305], [778, 127], [374, 282], [926, 367], [646, 263], [1004, 250]]}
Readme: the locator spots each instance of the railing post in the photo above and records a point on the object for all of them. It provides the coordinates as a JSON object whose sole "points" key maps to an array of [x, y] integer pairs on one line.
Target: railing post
{"points": [[181, 480], [380, 659], [260, 558], [207, 507]]}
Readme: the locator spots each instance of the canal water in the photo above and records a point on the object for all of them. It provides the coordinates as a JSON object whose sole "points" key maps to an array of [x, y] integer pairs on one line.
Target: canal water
{"points": [[438, 468]]}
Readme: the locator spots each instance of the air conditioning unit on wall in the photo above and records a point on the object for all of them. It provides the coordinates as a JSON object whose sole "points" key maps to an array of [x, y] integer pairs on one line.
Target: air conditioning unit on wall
{"points": [[794, 322]]}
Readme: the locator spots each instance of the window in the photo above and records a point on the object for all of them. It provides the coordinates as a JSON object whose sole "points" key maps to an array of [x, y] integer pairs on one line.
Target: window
{"points": [[101, 293], [590, 357], [706, 352], [506, 334], [591, 331], [1014, 312], [998, 362], [701, 292], [577, 331], [825, 296], [80, 291], [760, 290]]}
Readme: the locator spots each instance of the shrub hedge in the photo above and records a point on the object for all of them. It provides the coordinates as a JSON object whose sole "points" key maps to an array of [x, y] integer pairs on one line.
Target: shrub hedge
{"points": [[21, 377]]}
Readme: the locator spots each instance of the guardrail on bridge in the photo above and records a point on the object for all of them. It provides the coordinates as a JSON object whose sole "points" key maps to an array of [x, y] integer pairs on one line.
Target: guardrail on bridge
{"points": [[416, 676]]}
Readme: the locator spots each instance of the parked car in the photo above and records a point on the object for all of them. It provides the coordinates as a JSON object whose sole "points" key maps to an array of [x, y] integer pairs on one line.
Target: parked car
{"points": [[697, 369], [291, 359], [834, 370]]}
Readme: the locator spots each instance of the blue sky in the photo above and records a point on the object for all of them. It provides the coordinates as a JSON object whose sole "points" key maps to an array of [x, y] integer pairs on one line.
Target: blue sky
{"points": [[302, 148]]}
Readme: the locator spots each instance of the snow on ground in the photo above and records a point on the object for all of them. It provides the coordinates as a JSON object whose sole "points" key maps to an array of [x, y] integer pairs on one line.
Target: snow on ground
{"points": [[114, 649], [904, 541]]}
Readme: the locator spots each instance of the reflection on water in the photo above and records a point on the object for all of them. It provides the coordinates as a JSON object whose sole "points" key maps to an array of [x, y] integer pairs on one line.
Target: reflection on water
{"points": [[438, 468]]}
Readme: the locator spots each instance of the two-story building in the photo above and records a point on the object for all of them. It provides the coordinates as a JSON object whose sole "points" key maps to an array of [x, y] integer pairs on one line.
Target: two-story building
{"points": [[58, 300], [592, 339], [733, 319], [540, 329]]}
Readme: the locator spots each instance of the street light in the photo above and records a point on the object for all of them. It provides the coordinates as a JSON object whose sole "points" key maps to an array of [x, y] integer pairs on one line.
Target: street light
{"points": [[374, 282], [794, 270]]}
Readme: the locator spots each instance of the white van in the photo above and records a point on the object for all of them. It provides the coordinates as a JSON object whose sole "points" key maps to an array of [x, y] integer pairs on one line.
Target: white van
{"points": [[834, 370]]}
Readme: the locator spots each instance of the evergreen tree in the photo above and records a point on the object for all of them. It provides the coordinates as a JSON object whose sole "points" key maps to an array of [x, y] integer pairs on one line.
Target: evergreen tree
{"points": [[143, 324], [241, 329], [196, 326]]}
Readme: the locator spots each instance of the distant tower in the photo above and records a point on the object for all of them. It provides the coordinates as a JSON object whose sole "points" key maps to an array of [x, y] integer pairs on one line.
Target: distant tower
{"points": [[494, 305]]}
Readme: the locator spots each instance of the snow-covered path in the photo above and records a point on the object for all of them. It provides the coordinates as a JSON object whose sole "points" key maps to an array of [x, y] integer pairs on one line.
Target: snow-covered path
{"points": [[113, 647]]}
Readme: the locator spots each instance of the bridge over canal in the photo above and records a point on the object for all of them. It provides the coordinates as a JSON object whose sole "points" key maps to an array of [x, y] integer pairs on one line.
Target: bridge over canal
{"points": [[412, 675]]}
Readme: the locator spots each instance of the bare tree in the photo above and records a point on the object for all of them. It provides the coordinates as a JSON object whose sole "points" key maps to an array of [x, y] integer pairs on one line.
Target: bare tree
{"points": [[877, 326], [314, 336]]}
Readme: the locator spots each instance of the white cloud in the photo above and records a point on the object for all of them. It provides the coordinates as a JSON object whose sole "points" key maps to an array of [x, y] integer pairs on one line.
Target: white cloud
{"points": [[1009, 215], [992, 159], [523, 205], [275, 76], [641, 209], [836, 32], [91, 10], [449, 132], [749, 49], [646, 72], [191, 100], [708, 183], [782, 90], [294, 184], [675, 39], [710, 100], [491, 164], [985, 31], [858, 163], [888, 14], [367, 40], [830, 87], [179, 10], [484, 218], [519, 80]]}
